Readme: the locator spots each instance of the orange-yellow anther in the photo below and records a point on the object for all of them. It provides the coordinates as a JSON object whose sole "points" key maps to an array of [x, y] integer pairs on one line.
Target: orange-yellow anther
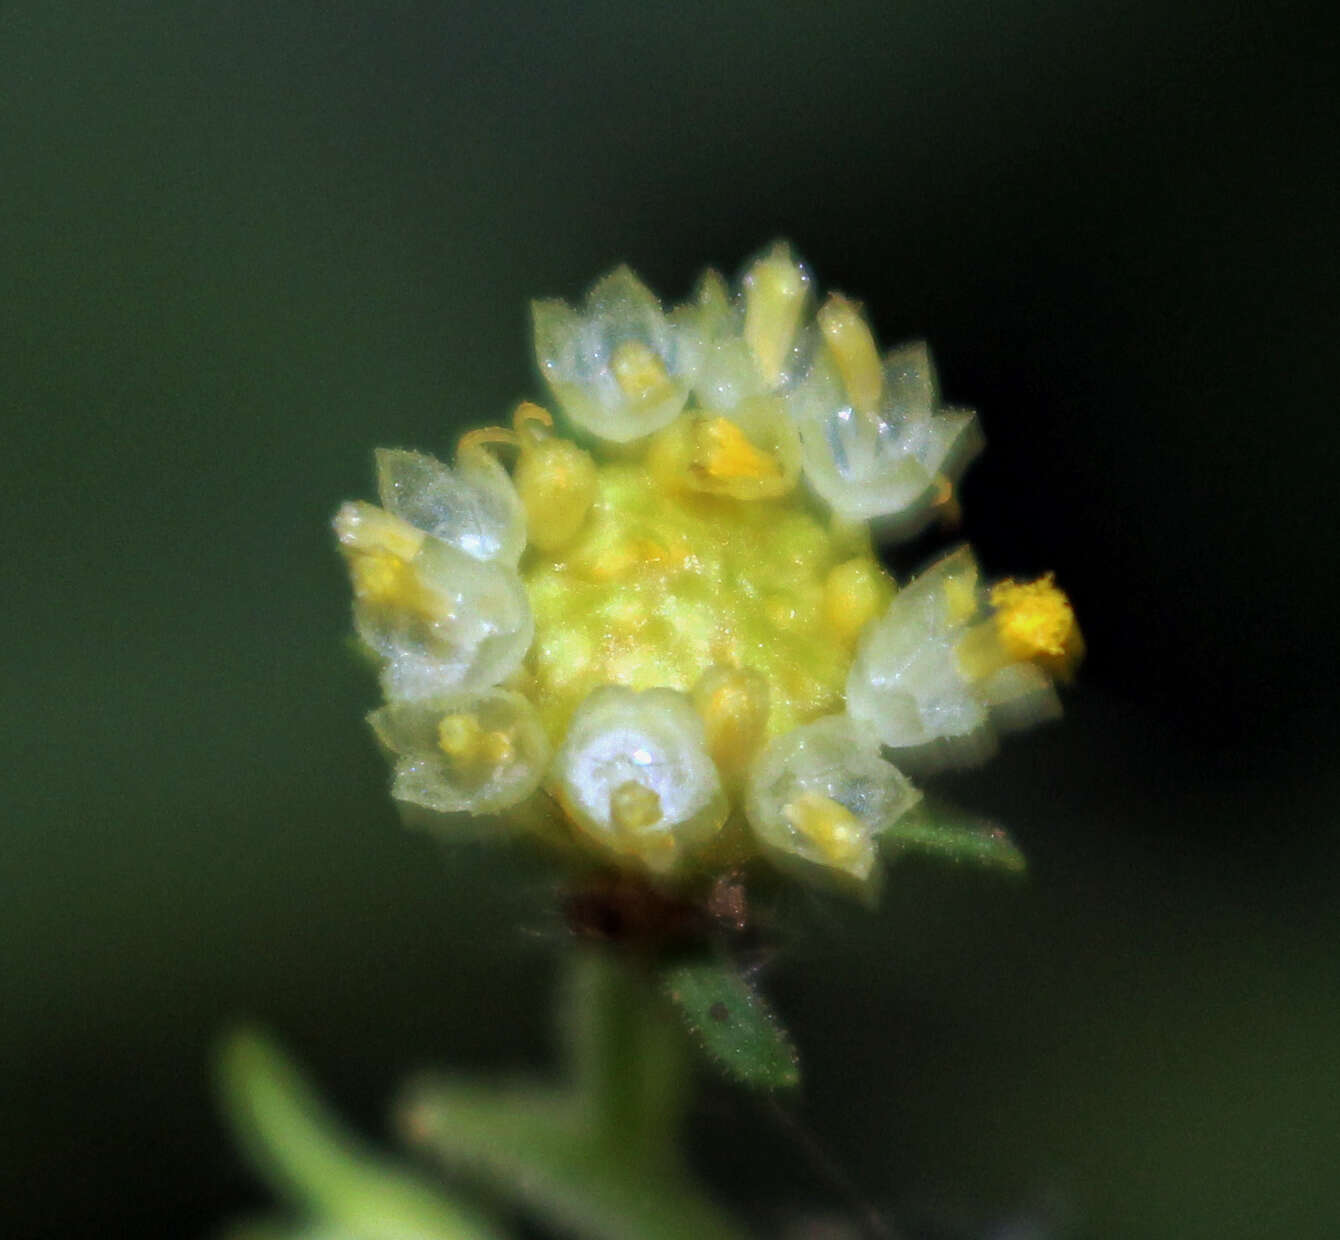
{"points": [[1035, 621], [723, 453], [835, 832], [733, 705], [855, 591], [852, 345], [775, 292], [640, 374]]}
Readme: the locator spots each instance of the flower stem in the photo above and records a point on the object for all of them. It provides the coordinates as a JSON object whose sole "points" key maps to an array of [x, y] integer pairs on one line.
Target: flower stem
{"points": [[628, 1053]]}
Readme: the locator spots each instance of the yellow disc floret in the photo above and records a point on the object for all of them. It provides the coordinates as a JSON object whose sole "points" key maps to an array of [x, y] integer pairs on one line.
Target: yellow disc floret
{"points": [[733, 705], [661, 583], [555, 479], [855, 591]]}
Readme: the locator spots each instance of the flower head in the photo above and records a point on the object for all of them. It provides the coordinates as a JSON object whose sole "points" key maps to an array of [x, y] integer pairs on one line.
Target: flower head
{"points": [[675, 649]]}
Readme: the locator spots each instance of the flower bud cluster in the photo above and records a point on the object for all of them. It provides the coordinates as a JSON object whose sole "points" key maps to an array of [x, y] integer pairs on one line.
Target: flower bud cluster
{"points": [[667, 643]]}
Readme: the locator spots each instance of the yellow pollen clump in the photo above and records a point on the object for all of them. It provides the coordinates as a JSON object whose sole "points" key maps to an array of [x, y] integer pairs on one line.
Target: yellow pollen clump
{"points": [[723, 452], [634, 807], [640, 374], [852, 345], [833, 829], [1034, 620], [472, 749]]}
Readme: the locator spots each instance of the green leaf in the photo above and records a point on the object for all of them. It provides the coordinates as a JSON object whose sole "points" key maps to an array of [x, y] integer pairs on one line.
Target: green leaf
{"points": [[940, 830], [317, 1164], [536, 1147], [733, 1024]]}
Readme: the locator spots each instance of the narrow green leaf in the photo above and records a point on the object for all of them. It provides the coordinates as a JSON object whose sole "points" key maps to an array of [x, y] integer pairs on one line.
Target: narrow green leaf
{"points": [[317, 1164], [535, 1148], [942, 831], [733, 1024]]}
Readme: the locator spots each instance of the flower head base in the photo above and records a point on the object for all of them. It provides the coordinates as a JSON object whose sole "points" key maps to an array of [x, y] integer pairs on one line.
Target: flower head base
{"points": [[675, 649]]}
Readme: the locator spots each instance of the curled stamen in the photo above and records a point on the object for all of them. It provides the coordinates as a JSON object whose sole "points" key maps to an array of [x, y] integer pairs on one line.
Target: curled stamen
{"points": [[532, 421], [483, 437]]}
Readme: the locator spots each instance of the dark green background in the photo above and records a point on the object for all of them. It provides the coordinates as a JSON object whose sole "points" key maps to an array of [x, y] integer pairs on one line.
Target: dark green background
{"points": [[243, 243]]}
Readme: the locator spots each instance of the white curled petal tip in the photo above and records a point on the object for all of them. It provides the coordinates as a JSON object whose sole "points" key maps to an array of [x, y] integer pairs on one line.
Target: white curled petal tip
{"points": [[473, 506], [618, 367], [460, 625], [634, 776], [468, 754], [821, 795]]}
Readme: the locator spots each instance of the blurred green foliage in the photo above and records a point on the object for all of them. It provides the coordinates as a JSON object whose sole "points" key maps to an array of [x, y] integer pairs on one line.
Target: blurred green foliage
{"points": [[242, 244]]}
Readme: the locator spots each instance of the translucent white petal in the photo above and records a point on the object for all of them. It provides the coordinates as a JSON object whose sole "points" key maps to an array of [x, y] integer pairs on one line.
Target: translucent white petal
{"points": [[910, 387], [617, 368], [634, 775], [887, 464], [469, 626], [474, 506], [822, 793], [513, 752], [905, 681], [1020, 695]]}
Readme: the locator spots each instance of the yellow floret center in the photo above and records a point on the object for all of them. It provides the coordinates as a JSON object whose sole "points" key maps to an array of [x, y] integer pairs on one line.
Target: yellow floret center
{"points": [[474, 751], [380, 549], [640, 374], [835, 832], [634, 807], [661, 585], [1035, 621], [724, 453]]}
